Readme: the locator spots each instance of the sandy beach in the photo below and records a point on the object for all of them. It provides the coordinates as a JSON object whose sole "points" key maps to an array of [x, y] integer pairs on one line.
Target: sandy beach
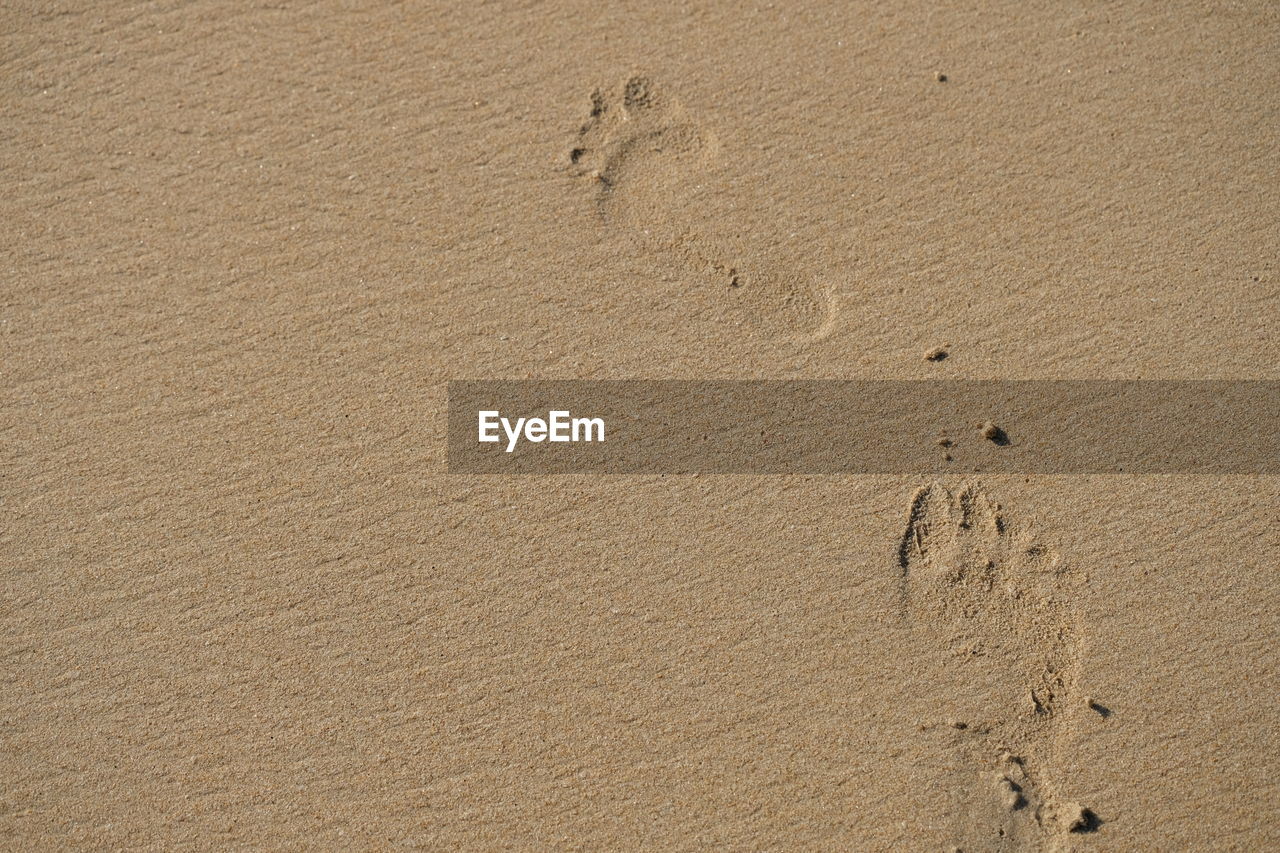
{"points": [[247, 605]]}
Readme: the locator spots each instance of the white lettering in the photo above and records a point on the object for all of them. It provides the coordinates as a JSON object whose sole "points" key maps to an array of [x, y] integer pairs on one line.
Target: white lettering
{"points": [[559, 422], [513, 435], [587, 425], [559, 426], [488, 425]]}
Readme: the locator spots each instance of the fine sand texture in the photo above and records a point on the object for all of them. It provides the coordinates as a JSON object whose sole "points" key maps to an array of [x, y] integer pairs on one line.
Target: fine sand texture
{"points": [[246, 245]]}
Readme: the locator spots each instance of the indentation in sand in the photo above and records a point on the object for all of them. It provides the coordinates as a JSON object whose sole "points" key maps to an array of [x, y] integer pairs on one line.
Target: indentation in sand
{"points": [[642, 150], [997, 603]]}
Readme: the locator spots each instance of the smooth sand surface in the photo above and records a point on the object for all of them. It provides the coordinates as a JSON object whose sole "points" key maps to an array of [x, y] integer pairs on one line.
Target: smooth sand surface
{"points": [[246, 245]]}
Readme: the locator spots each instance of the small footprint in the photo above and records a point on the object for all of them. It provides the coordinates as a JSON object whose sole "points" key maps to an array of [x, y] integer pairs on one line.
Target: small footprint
{"points": [[998, 605], [642, 152]]}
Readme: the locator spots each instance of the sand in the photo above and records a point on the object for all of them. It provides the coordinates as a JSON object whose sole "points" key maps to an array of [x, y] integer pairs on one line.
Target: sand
{"points": [[246, 245]]}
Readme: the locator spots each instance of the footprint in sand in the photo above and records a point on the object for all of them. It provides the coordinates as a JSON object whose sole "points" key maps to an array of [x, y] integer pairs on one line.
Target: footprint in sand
{"points": [[642, 152], [998, 606]]}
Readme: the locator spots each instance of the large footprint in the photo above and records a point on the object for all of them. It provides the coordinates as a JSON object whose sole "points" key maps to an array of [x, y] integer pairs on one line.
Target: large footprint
{"points": [[997, 604], [641, 151]]}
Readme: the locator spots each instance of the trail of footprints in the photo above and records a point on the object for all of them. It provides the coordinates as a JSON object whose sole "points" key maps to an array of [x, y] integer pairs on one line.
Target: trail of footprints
{"points": [[642, 153], [1002, 601], [965, 570]]}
